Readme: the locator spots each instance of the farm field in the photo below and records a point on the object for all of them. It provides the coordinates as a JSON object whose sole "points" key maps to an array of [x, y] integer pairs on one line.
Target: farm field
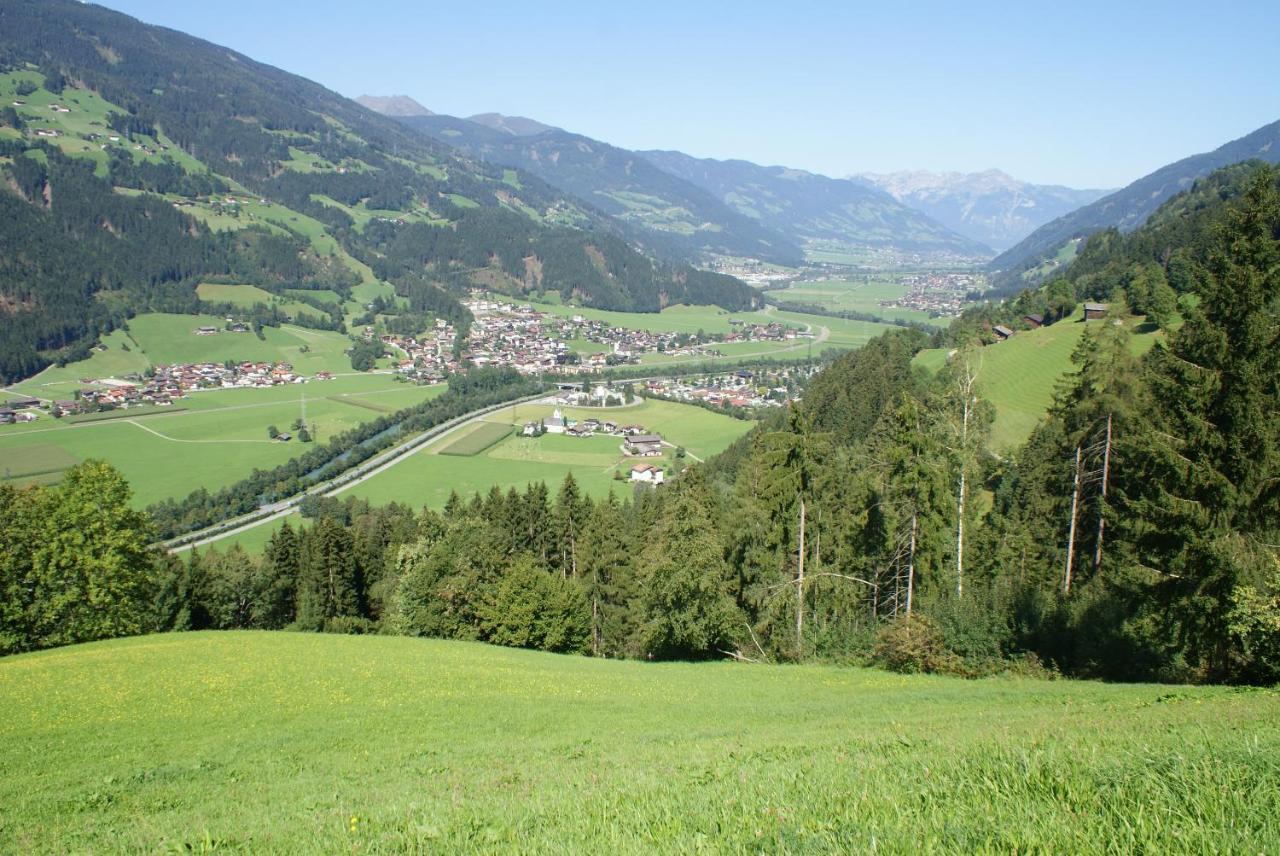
{"points": [[292, 742], [161, 338], [219, 438], [673, 319], [1019, 376], [476, 438], [427, 477], [855, 295], [248, 295]]}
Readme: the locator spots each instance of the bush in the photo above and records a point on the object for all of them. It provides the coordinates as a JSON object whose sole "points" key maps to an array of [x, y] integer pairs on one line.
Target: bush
{"points": [[351, 625], [913, 644]]}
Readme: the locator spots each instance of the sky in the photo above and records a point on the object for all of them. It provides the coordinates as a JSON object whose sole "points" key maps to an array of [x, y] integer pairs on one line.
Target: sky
{"points": [[1086, 94]]}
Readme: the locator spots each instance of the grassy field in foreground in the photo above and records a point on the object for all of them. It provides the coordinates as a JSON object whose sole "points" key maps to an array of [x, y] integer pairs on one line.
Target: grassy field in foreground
{"points": [[1019, 376], [280, 742]]}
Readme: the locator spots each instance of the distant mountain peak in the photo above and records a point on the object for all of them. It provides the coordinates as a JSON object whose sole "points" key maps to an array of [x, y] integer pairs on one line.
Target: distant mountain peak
{"points": [[516, 126], [393, 105], [989, 206]]}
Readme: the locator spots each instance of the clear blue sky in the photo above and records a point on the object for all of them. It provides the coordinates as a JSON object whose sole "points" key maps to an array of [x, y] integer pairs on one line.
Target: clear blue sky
{"points": [[1086, 94]]}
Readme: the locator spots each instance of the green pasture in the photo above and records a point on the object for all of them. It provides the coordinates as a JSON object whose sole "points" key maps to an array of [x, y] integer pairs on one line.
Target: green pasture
{"points": [[247, 296], [854, 295], [476, 438], [1019, 376], [220, 438], [426, 478], [261, 742]]}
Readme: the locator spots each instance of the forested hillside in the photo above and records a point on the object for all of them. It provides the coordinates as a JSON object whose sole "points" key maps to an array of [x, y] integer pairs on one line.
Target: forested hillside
{"points": [[807, 207], [169, 140], [668, 212], [1129, 207]]}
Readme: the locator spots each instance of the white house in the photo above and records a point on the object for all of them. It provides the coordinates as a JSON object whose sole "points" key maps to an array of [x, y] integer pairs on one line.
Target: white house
{"points": [[646, 473]]}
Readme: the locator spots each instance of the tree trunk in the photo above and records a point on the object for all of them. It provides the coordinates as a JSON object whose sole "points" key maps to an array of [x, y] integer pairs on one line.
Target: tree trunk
{"points": [[960, 536], [800, 589], [1071, 529], [1102, 504], [911, 564]]}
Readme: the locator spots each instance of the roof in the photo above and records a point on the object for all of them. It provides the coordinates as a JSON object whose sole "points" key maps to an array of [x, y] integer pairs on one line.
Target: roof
{"points": [[1036, 317], [1095, 307], [640, 439], [1002, 330]]}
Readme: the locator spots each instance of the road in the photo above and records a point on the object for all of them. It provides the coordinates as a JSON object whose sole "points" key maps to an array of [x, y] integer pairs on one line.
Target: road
{"points": [[350, 478]]}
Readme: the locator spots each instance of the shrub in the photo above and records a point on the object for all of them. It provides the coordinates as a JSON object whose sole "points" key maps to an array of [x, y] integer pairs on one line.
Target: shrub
{"points": [[913, 644]]}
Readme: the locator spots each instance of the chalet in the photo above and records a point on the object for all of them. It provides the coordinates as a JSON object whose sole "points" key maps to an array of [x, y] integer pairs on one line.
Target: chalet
{"points": [[1034, 321], [530, 429], [7, 416], [19, 403], [284, 438], [647, 474], [644, 445], [61, 408], [206, 331], [1095, 310], [1002, 332]]}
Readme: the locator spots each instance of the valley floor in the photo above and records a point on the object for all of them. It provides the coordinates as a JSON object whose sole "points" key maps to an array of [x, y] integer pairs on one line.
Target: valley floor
{"points": [[281, 742]]}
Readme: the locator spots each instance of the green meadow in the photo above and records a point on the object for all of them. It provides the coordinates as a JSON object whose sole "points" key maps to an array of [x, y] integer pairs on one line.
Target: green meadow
{"points": [[427, 477], [247, 296], [281, 742], [854, 295], [217, 437], [1019, 376]]}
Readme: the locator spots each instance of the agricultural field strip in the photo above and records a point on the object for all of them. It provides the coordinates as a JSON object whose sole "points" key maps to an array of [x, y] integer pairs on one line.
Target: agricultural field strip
{"points": [[482, 436], [334, 486], [207, 411]]}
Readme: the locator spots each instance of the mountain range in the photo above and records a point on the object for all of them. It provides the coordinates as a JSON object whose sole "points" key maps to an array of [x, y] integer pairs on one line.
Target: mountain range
{"points": [[1128, 208], [696, 207], [136, 161], [990, 206]]}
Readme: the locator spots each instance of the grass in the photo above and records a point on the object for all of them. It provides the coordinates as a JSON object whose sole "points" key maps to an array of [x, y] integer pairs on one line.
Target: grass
{"points": [[219, 438], [855, 295], [40, 459], [476, 439], [426, 478], [1019, 376], [281, 742]]}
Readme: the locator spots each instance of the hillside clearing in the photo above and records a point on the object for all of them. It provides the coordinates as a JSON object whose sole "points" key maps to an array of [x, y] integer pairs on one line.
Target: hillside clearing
{"points": [[274, 742]]}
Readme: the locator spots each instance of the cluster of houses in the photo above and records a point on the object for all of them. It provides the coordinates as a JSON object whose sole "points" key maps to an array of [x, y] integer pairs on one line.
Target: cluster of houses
{"points": [[742, 388], [161, 388], [939, 294], [427, 357], [636, 440]]}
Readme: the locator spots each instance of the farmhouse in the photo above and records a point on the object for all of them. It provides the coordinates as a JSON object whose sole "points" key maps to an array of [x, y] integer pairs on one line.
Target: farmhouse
{"points": [[1034, 320], [206, 331], [7, 417], [644, 445], [647, 474], [1002, 332], [1095, 310]]}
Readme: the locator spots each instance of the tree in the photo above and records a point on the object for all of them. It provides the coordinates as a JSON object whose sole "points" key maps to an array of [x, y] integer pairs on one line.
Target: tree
{"points": [[531, 607], [273, 432], [328, 585], [92, 566], [687, 606]]}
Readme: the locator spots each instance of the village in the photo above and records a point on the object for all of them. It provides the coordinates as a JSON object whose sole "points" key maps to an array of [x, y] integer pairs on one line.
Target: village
{"points": [[744, 388], [939, 294], [161, 386], [505, 333]]}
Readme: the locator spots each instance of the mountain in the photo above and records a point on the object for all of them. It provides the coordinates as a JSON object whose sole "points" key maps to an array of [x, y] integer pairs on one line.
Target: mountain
{"points": [[1129, 207], [808, 208], [992, 207], [393, 105], [516, 126], [139, 161], [669, 214]]}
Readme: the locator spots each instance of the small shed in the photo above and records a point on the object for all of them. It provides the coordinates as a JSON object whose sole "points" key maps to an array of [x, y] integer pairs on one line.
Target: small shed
{"points": [[1034, 320], [1002, 332], [1095, 310]]}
